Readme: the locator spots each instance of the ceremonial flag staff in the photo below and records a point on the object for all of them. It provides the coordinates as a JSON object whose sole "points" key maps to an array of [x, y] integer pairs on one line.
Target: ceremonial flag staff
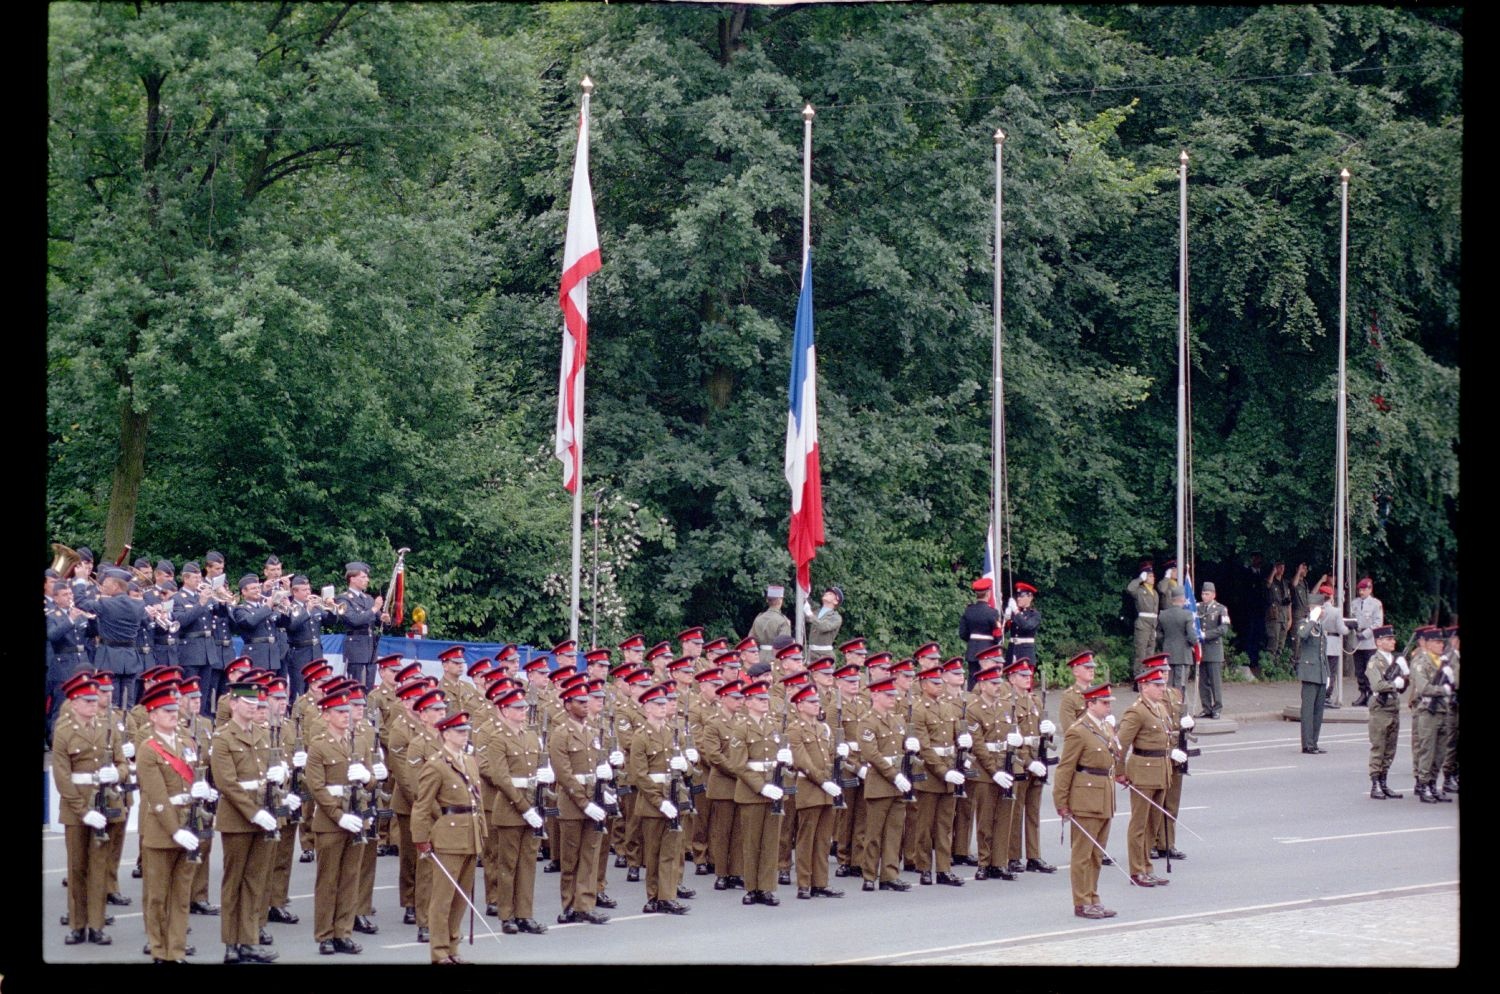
{"points": [[997, 545], [1341, 549], [803, 473]]}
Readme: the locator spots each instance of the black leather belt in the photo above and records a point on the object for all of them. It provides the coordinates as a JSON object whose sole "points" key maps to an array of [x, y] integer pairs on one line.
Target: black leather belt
{"points": [[224, 642], [1153, 753], [1096, 772], [259, 641], [197, 635], [120, 645], [304, 645], [357, 631], [167, 641], [466, 809], [69, 652]]}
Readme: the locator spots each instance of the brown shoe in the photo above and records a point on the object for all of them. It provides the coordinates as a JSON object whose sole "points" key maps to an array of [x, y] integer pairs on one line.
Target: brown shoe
{"points": [[1103, 911], [1087, 911], [1143, 880]]}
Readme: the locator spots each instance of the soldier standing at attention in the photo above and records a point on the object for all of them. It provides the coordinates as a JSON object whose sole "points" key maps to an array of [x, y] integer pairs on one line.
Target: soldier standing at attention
{"points": [[515, 764], [1142, 593], [240, 774], [652, 763], [1368, 614], [880, 748], [1386, 676], [1072, 705], [1085, 796], [1278, 610], [1143, 734], [578, 760], [1431, 692], [168, 787], [976, 628], [86, 761], [447, 823], [725, 843], [988, 720], [1024, 621], [1312, 668], [1214, 619], [770, 623], [1164, 828], [935, 723], [1179, 633], [333, 773], [1025, 717], [812, 747], [1450, 726], [755, 748]]}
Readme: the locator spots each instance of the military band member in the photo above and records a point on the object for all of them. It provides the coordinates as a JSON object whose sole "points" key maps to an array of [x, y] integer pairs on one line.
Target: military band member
{"points": [[1143, 596], [1387, 676], [652, 765], [255, 621], [68, 632], [118, 619], [1432, 682], [303, 631], [578, 759], [770, 623], [448, 824], [221, 650], [515, 763], [362, 616], [87, 756], [169, 786], [1213, 617], [240, 772], [1147, 772], [1084, 796]]}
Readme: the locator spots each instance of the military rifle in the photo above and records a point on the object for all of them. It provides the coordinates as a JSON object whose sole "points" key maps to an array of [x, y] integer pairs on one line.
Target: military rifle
{"points": [[693, 788], [101, 796], [674, 784], [839, 777], [960, 754], [778, 806], [539, 799], [274, 801], [195, 820], [1183, 740], [294, 784], [908, 770]]}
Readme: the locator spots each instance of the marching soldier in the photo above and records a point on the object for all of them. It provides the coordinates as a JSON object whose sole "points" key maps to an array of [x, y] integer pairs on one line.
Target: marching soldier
{"points": [[447, 824], [240, 773], [880, 748], [1386, 674], [516, 763], [87, 754], [1213, 617], [169, 786], [1084, 796], [652, 765], [1143, 734], [755, 747], [770, 623], [1432, 682], [811, 741], [578, 760], [1142, 594]]}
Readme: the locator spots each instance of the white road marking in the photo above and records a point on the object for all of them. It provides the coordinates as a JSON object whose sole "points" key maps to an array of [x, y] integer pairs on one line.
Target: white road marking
{"points": [[1364, 835], [1246, 769], [1095, 929]]}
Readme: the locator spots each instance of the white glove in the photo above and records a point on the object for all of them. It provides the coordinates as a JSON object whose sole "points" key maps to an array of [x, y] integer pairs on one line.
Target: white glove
{"points": [[691, 754], [1143, 576], [965, 740], [1226, 619], [293, 802], [380, 771], [129, 750], [954, 777], [264, 819], [109, 774], [1316, 613], [807, 608], [530, 817], [593, 811], [351, 822], [1178, 756], [299, 759], [1399, 683], [357, 773], [678, 763], [1014, 740], [1036, 768], [1003, 780], [1011, 607], [545, 775], [1187, 721], [771, 792], [185, 839], [617, 758], [668, 808], [901, 783], [1111, 719], [784, 756], [1047, 728], [843, 750], [1447, 671], [604, 771], [862, 772], [1033, 740], [277, 774], [831, 789], [1401, 665], [911, 744], [199, 789], [1447, 690], [94, 819]]}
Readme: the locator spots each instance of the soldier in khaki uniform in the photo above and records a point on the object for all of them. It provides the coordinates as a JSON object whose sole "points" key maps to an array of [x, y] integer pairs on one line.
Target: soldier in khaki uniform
{"points": [[421, 748], [333, 775], [880, 749], [1084, 795], [813, 753], [86, 756], [168, 788], [935, 725], [725, 843], [704, 708], [653, 766], [366, 751], [400, 727], [515, 763], [990, 726], [1386, 676], [1142, 594], [1022, 813], [770, 623], [848, 707], [1071, 707], [754, 749], [578, 760], [1164, 831], [240, 772], [1143, 734], [447, 824], [286, 748], [197, 732], [1432, 681]]}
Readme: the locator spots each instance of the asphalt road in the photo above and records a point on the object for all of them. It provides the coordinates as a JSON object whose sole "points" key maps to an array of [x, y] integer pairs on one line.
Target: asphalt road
{"points": [[1295, 866]]}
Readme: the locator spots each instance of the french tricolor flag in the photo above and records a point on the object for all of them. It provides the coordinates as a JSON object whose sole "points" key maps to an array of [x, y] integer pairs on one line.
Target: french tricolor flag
{"points": [[989, 565], [802, 471]]}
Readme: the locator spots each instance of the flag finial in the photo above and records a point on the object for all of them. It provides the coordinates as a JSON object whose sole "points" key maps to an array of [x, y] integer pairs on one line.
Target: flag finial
{"points": [[587, 84], [807, 113], [999, 136], [1344, 175], [1183, 157]]}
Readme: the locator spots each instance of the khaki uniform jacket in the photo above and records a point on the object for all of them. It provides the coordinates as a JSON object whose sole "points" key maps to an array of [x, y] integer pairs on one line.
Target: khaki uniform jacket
{"points": [[988, 725], [509, 766], [448, 781], [812, 753], [575, 750], [398, 732], [650, 753], [935, 724], [1424, 681], [1023, 715], [713, 746], [421, 747], [1386, 696], [1070, 708], [326, 779], [164, 793], [77, 750], [752, 756], [880, 741], [1088, 747], [1144, 729], [239, 757]]}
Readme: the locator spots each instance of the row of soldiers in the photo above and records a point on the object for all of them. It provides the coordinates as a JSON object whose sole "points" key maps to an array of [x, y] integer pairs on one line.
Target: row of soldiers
{"points": [[1428, 680]]}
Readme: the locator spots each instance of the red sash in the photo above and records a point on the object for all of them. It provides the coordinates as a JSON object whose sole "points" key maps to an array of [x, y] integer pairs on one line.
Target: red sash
{"points": [[178, 764]]}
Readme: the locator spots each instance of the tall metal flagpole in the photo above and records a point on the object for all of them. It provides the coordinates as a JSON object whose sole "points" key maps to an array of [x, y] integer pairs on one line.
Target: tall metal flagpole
{"points": [[807, 119], [1341, 459], [997, 414], [1182, 368], [588, 88]]}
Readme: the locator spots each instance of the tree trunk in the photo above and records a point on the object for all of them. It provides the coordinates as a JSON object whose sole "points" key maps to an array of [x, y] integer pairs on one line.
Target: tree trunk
{"points": [[125, 485]]}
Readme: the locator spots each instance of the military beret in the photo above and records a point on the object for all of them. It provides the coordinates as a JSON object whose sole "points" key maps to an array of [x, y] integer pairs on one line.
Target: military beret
{"points": [[758, 669], [1364, 583]]}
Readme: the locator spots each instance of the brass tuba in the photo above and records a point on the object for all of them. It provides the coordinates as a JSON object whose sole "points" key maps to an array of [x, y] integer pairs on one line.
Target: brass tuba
{"points": [[64, 559]]}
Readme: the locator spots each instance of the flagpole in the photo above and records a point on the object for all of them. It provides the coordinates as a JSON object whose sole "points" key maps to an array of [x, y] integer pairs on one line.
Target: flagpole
{"points": [[1341, 459], [588, 88], [1182, 366], [807, 119], [997, 403]]}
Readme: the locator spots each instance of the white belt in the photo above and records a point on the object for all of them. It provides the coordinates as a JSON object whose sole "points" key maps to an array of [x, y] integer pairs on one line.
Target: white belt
{"points": [[1022, 641], [1145, 614], [86, 778], [180, 799], [893, 760], [982, 638], [337, 790], [584, 778], [765, 647], [995, 746], [943, 750], [252, 784], [521, 783], [658, 777], [853, 746], [1031, 740], [758, 766], [821, 648]]}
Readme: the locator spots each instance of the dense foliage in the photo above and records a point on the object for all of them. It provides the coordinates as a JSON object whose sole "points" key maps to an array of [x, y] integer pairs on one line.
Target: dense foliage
{"points": [[303, 258]]}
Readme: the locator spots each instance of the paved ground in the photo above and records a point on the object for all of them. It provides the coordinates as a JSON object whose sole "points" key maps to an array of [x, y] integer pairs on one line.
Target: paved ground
{"points": [[1295, 866]]}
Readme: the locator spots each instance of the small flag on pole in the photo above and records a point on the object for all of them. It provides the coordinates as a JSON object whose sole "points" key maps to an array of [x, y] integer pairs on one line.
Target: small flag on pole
{"points": [[803, 473], [989, 566], [580, 260]]}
